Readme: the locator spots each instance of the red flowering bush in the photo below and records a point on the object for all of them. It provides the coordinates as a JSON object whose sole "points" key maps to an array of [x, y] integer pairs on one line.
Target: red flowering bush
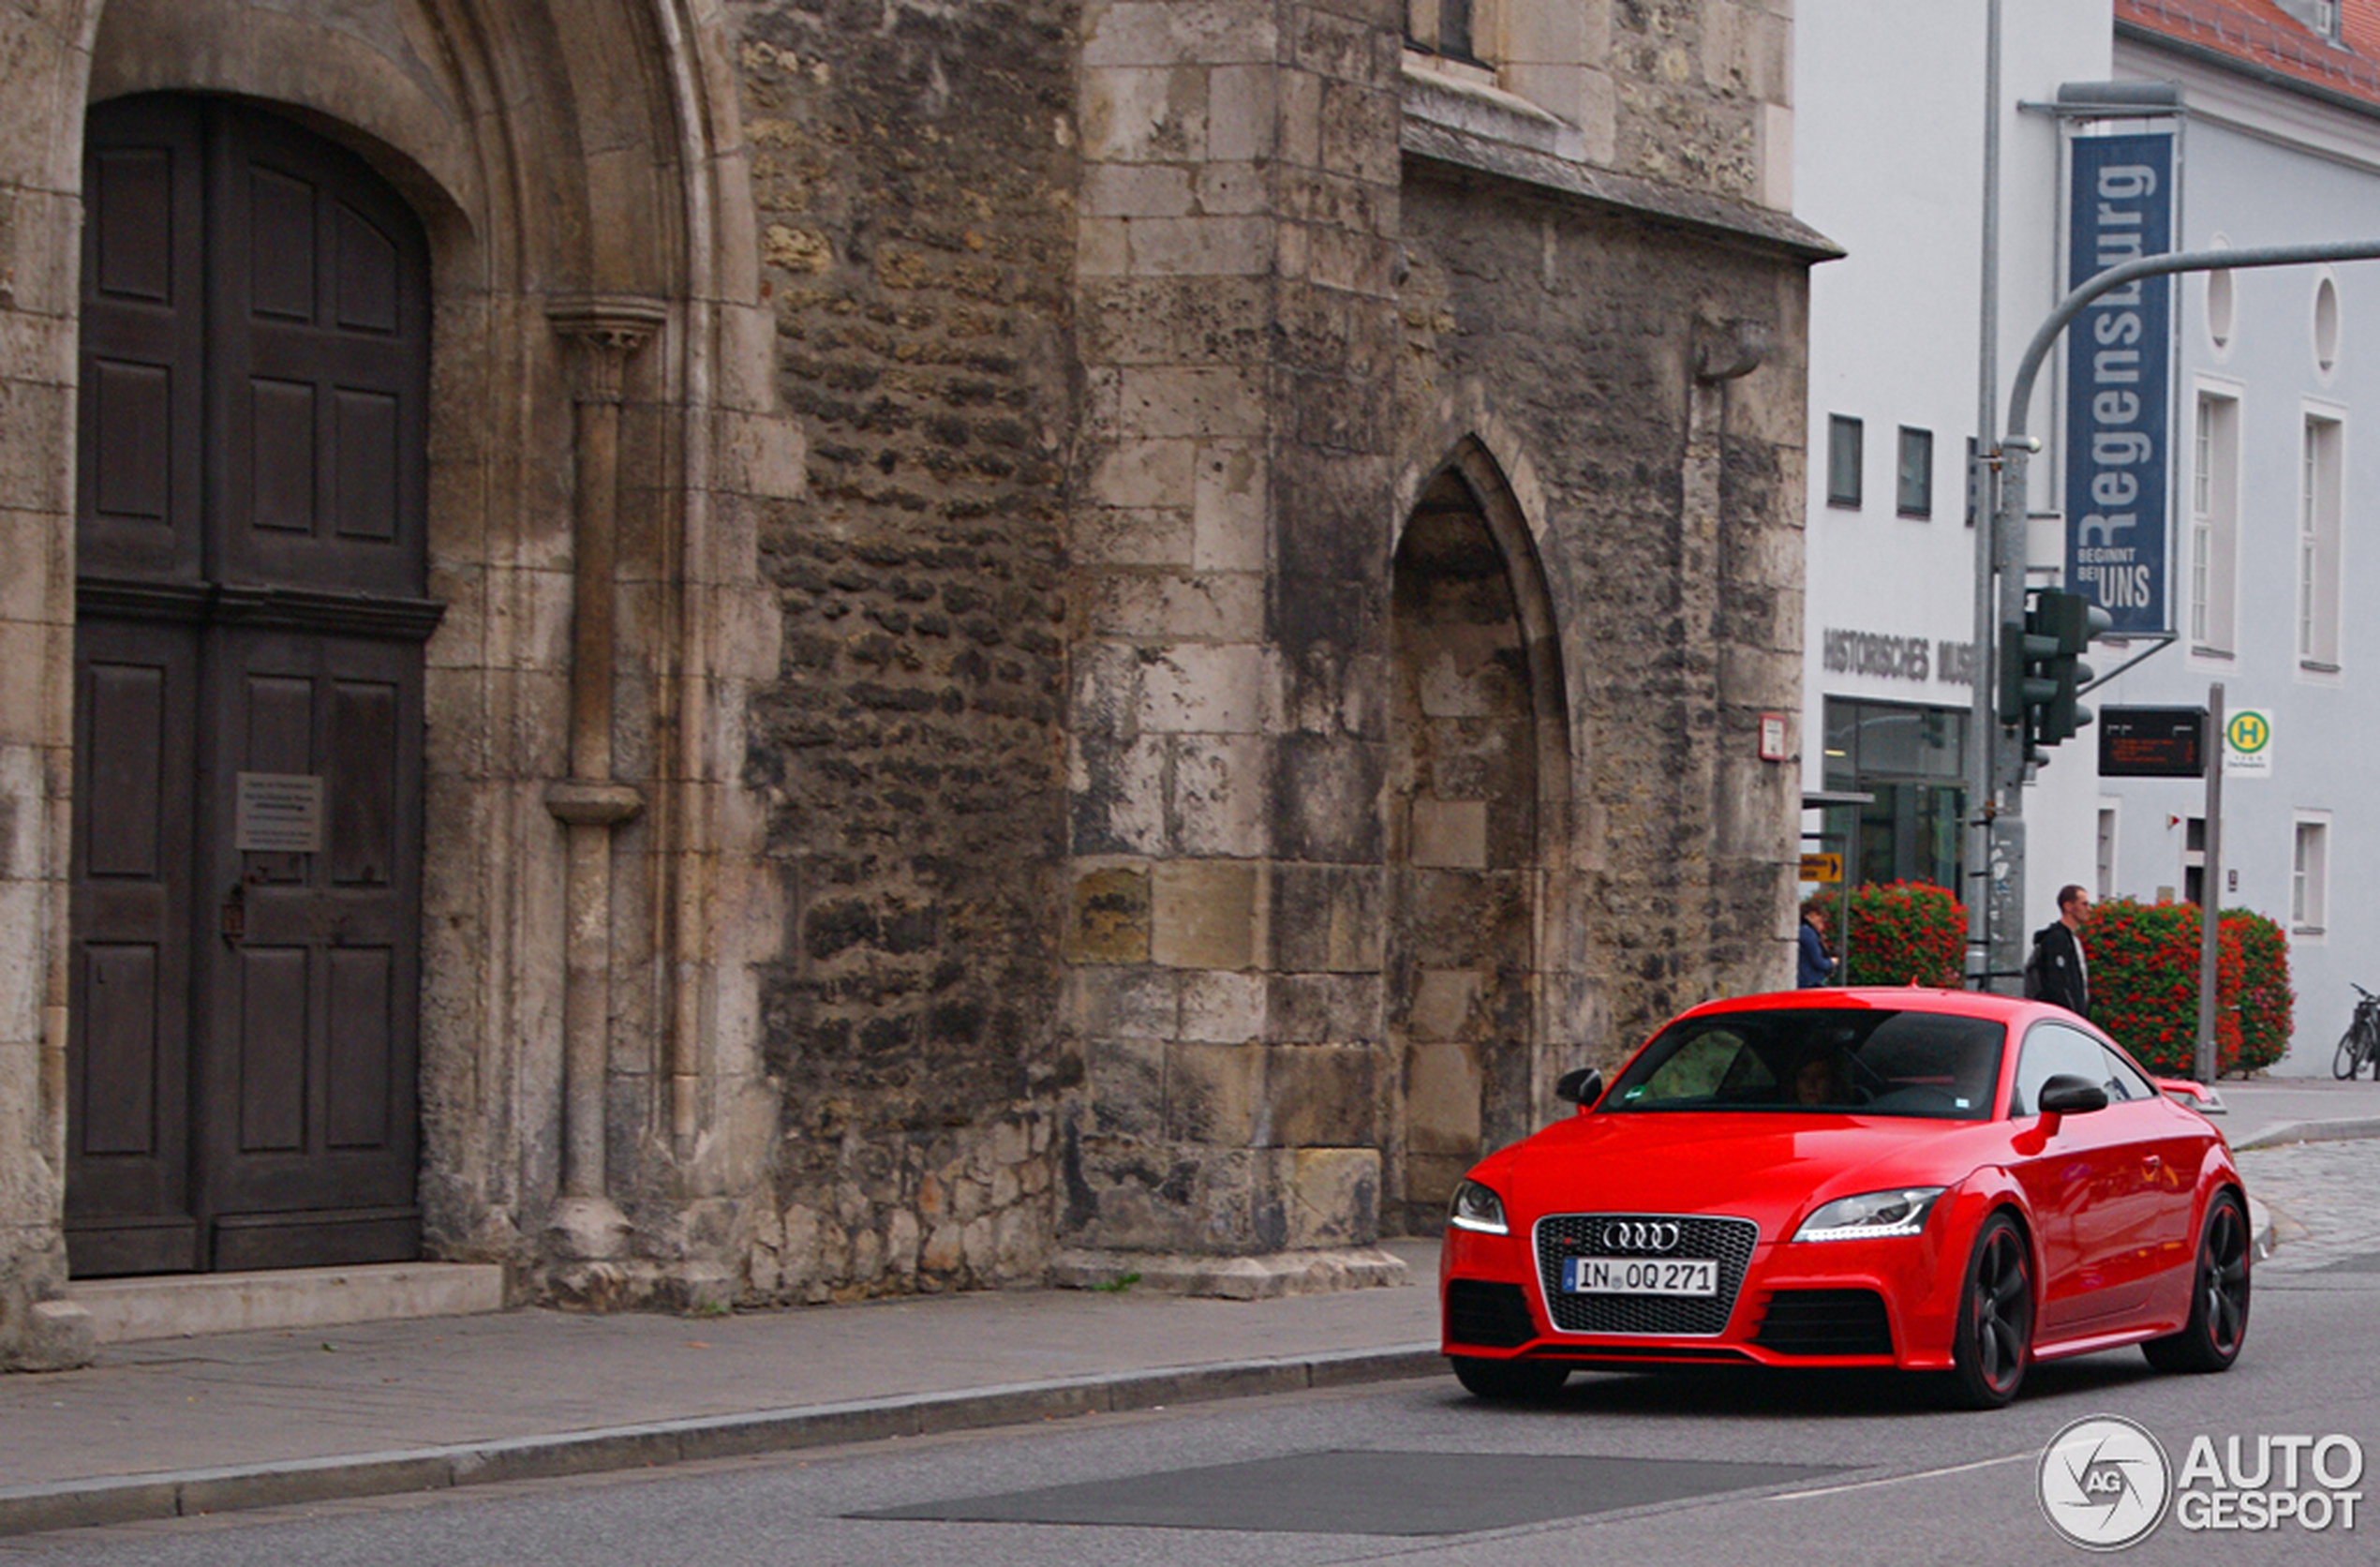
{"points": [[2267, 1004], [1902, 933], [2144, 984]]}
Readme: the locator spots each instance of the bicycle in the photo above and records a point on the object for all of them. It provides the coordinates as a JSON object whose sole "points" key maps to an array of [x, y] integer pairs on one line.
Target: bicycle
{"points": [[2361, 1041]]}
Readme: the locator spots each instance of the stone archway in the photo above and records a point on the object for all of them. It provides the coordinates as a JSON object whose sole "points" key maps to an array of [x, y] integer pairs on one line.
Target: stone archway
{"points": [[1477, 825], [578, 167]]}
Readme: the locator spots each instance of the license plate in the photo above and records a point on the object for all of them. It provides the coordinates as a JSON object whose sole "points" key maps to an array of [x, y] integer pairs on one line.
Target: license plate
{"points": [[1631, 1276]]}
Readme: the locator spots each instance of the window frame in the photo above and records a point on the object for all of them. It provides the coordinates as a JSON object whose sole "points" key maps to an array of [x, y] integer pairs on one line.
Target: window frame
{"points": [[1913, 498], [2211, 597], [1843, 486], [2309, 874], [2322, 467]]}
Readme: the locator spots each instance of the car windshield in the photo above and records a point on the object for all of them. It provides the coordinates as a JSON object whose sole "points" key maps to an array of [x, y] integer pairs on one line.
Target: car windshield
{"points": [[1868, 1061]]}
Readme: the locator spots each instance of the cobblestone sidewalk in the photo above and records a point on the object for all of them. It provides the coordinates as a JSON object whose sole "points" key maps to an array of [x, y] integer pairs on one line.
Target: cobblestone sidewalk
{"points": [[2324, 1198]]}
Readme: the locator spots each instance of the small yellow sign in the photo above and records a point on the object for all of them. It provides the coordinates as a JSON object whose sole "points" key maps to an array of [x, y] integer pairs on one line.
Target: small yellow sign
{"points": [[1822, 867]]}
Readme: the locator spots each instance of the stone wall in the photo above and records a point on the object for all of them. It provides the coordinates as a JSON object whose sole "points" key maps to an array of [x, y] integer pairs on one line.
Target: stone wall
{"points": [[914, 171], [1670, 536]]}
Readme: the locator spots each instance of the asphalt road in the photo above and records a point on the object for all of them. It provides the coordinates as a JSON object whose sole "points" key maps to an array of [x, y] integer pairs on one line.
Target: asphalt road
{"points": [[1873, 1474]]}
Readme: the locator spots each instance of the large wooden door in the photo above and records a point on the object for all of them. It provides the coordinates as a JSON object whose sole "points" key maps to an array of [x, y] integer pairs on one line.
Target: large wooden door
{"points": [[241, 1049]]}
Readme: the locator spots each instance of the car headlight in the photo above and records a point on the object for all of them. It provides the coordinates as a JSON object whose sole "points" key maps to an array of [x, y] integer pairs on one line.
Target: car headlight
{"points": [[1871, 1216], [1475, 1207]]}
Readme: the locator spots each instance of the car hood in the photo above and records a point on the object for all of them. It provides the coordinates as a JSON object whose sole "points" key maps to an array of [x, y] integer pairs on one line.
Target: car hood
{"points": [[1771, 1168]]}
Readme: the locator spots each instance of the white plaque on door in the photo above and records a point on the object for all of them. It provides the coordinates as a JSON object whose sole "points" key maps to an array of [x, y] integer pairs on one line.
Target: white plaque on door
{"points": [[278, 813]]}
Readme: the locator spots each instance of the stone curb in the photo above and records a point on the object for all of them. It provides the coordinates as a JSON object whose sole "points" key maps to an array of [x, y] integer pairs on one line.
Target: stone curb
{"points": [[2311, 1132], [186, 1493]]}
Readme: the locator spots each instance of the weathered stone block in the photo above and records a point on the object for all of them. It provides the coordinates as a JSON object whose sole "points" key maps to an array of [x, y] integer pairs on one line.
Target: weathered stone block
{"points": [[1206, 913], [1200, 689], [1327, 919], [1127, 1087], [1195, 401], [1442, 1083], [1223, 1007], [1451, 832], [1335, 1196], [1321, 1095], [1120, 1003], [1325, 1008], [1443, 1000], [1218, 801], [1228, 508], [1112, 921], [1180, 32], [1327, 798], [1215, 1094], [1144, 115]]}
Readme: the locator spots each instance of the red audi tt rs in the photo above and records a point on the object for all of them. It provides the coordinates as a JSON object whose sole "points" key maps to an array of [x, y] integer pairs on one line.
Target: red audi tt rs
{"points": [[1939, 1181]]}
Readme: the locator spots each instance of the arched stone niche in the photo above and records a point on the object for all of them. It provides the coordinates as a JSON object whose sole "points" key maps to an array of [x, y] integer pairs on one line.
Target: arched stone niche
{"points": [[579, 167]]}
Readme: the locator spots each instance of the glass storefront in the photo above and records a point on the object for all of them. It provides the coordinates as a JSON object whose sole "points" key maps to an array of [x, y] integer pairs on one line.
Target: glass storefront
{"points": [[1913, 760]]}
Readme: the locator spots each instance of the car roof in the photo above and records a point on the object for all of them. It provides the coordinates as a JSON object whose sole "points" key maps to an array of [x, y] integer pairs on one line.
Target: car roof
{"points": [[1896, 998]]}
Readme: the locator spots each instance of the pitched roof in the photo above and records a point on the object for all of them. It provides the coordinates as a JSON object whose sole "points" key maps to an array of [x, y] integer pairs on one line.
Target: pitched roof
{"points": [[2259, 34]]}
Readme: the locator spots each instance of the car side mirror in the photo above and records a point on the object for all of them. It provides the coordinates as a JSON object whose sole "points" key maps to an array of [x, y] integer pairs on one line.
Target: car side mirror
{"points": [[1582, 1087], [2069, 1095]]}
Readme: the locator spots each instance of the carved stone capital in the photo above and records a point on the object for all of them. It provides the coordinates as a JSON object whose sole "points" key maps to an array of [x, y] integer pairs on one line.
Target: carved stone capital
{"points": [[605, 331]]}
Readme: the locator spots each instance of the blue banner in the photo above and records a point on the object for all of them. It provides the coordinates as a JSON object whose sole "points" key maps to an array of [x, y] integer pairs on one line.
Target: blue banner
{"points": [[2119, 376]]}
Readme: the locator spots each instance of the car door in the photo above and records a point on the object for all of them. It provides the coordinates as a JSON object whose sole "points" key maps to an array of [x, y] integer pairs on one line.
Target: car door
{"points": [[2083, 1179]]}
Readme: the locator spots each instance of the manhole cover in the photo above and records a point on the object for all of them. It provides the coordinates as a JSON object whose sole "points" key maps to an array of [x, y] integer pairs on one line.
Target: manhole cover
{"points": [[1365, 1493]]}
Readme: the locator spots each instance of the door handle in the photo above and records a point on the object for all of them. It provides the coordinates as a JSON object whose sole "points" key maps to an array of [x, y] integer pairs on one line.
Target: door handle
{"points": [[232, 918]]}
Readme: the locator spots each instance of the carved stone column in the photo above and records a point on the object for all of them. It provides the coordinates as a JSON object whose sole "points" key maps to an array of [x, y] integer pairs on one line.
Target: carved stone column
{"points": [[603, 332]]}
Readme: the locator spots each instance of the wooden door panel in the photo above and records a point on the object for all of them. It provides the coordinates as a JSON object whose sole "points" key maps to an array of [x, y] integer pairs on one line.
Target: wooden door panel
{"points": [[128, 1200], [142, 345], [323, 388], [243, 1042], [317, 1006]]}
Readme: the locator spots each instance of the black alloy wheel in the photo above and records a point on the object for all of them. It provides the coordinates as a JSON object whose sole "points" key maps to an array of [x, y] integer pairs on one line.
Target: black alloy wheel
{"points": [[1509, 1381], [1994, 1339], [2218, 1324]]}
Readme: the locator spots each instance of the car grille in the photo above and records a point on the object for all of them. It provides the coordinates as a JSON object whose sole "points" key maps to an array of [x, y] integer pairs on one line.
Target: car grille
{"points": [[1560, 1235], [1825, 1322], [1493, 1316]]}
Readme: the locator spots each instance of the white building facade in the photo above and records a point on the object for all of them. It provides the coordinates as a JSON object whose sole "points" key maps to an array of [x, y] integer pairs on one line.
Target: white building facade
{"points": [[2269, 489]]}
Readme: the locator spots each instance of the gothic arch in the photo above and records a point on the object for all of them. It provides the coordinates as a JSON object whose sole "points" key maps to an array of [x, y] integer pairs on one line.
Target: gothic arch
{"points": [[1479, 832], [580, 169]]}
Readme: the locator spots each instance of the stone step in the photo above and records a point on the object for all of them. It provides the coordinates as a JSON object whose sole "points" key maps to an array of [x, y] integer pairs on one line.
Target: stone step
{"points": [[124, 1310]]}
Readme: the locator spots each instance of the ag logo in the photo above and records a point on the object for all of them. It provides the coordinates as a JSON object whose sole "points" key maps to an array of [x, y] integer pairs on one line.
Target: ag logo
{"points": [[2104, 1482]]}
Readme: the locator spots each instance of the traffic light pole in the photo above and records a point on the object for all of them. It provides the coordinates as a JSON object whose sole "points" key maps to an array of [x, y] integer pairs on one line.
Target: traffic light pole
{"points": [[2004, 857]]}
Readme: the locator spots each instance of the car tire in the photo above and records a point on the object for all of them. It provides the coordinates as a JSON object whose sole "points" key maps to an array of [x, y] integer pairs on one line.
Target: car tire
{"points": [[1993, 1340], [2218, 1324], [1509, 1382]]}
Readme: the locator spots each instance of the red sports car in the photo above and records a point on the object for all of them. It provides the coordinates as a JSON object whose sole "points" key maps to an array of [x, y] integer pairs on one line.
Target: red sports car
{"points": [[1934, 1180]]}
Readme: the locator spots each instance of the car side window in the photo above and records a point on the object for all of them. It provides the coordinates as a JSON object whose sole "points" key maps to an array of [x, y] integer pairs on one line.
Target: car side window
{"points": [[1703, 1067], [2052, 1049], [2124, 1075]]}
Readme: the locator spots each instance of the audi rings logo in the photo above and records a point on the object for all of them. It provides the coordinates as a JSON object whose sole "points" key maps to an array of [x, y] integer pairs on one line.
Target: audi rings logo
{"points": [[1641, 1235]]}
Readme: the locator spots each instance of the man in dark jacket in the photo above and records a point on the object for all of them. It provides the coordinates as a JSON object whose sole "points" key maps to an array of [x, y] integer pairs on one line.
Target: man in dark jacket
{"points": [[2057, 972]]}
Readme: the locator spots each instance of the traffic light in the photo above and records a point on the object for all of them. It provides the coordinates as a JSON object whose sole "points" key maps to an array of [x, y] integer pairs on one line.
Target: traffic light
{"points": [[2042, 673]]}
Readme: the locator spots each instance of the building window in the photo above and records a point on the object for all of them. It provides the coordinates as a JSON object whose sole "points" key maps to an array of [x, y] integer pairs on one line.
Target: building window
{"points": [[1843, 437], [2193, 860], [2310, 876], [1912, 762], [2318, 500], [1441, 27], [2214, 522], [1978, 485], [1914, 491]]}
